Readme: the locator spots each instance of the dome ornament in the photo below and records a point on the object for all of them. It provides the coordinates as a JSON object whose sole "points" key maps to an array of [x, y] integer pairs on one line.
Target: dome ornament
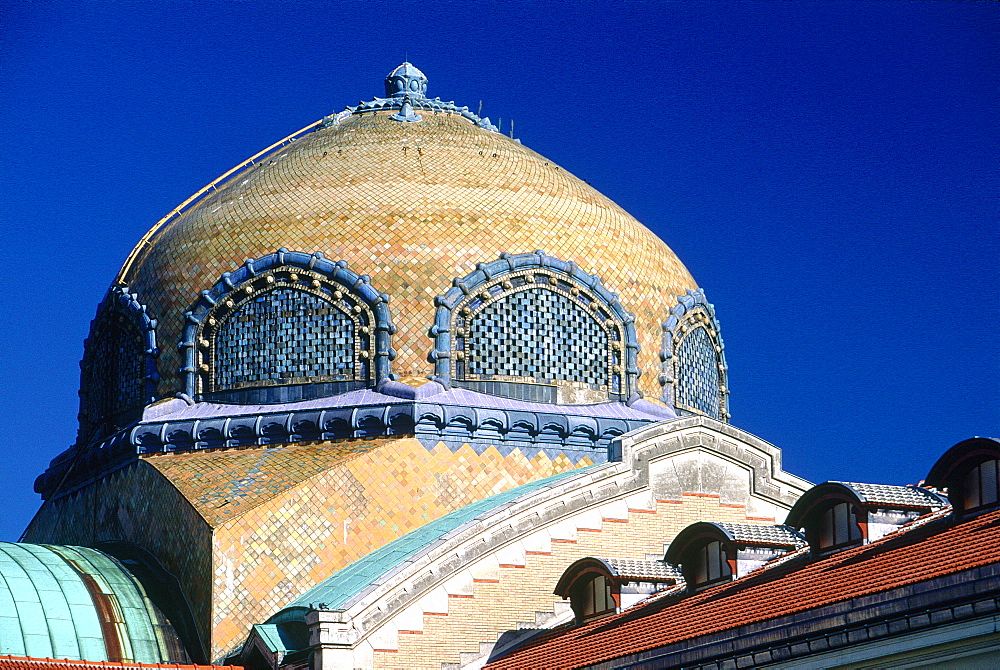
{"points": [[406, 81], [406, 94]]}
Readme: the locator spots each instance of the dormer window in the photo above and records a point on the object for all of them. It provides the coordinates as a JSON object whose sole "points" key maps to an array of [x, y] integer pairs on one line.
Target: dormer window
{"points": [[836, 515], [711, 564], [601, 586], [970, 473], [286, 327], [711, 553], [980, 486], [838, 527], [535, 328]]}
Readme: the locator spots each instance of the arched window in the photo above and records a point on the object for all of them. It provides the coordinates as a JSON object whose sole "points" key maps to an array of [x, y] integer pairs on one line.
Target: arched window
{"points": [[118, 371], [287, 327], [288, 335], [698, 376], [535, 328], [694, 367]]}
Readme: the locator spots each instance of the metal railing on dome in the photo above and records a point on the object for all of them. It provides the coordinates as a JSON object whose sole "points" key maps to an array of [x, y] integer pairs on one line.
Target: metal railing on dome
{"points": [[211, 186]]}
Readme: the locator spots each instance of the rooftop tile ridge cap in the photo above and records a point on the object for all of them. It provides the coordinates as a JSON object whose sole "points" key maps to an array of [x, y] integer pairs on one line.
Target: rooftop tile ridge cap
{"points": [[747, 525], [907, 487]]}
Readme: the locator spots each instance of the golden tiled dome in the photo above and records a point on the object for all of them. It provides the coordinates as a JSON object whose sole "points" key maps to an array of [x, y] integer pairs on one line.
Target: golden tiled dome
{"points": [[414, 197]]}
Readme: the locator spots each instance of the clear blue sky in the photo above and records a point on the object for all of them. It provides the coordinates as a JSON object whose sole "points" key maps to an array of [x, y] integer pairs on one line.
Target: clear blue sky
{"points": [[828, 171]]}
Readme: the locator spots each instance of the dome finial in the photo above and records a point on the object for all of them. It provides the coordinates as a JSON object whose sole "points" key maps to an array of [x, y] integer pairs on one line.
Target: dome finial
{"points": [[405, 81]]}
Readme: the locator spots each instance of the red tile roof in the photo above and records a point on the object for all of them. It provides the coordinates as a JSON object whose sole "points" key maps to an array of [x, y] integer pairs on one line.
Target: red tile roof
{"points": [[26, 663], [928, 548]]}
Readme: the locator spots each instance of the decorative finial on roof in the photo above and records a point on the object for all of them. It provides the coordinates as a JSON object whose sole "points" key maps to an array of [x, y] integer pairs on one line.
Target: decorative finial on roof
{"points": [[406, 93], [405, 81]]}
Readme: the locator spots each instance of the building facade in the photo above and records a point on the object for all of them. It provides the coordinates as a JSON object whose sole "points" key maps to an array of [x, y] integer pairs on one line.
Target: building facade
{"points": [[361, 401]]}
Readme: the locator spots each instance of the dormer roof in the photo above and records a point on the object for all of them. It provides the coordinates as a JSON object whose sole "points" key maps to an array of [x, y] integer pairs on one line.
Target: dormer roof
{"points": [[743, 534], [882, 496], [619, 570], [758, 535], [969, 472], [953, 464], [896, 496]]}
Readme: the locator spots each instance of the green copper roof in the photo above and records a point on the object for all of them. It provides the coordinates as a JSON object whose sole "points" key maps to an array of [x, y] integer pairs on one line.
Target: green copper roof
{"points": [[278, 639], [348, 585], [66, 602]]}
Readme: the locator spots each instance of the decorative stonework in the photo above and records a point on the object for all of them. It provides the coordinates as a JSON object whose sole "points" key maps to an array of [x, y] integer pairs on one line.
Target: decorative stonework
{"points": [[286, 320], [694, 365], [537, 328], [118, 370]]}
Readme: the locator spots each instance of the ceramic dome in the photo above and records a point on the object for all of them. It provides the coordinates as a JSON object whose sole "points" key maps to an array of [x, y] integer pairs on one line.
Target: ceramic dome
{"points": [[412, 194]]}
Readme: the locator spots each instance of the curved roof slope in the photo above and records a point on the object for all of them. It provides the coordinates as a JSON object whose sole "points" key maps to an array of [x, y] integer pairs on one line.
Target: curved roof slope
{"points": [[78, 603], [349, 585], [224, 484], [413, 205], [903, 496]]}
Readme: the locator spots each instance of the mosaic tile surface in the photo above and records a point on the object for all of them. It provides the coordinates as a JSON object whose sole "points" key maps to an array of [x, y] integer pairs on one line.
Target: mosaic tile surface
{"points": [[413, 205], [297, 514], [224, 484]]}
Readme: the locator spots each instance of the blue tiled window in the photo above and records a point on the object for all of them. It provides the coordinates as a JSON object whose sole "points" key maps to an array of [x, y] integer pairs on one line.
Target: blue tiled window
{"points": [[285, 335], [537, 334], [698, 377]]}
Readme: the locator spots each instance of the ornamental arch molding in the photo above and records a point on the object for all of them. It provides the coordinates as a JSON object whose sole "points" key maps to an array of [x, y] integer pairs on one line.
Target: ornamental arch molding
{"points": [[535, 328], [118, 375], [694, 369], [284, 327]]}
